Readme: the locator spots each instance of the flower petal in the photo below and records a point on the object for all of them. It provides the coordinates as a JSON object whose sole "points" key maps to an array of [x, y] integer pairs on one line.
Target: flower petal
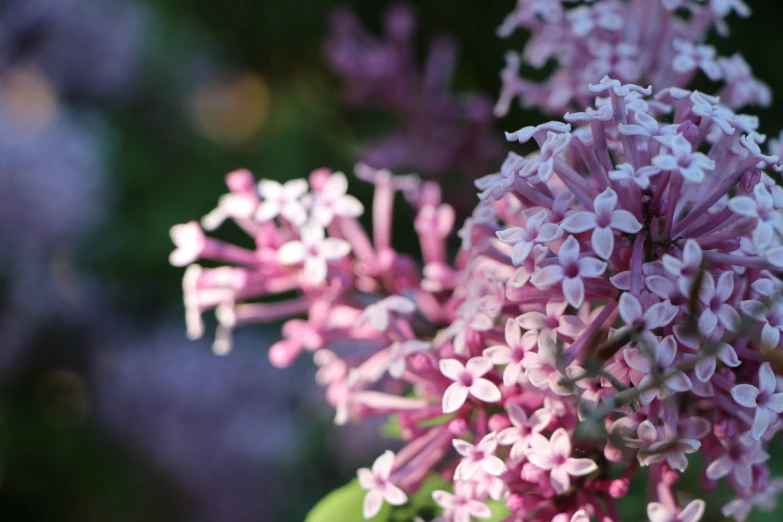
{"points": [[657, 512], [624, 221], [547, 277], [394, 495], [485, 390], [560, 443], [383, 465], [560, 480], [372, 504], [366, 478], [292, 253], [630, 309], [744, 206], [574, 291], [451, 368], [767, 382], [692, 512], [719, 468], [498, 354], [532, 320], [591, 267], [745, 395], [569, 251], [580, 467], [579, 222], [478, 366], [454, 397], [493, 465]]}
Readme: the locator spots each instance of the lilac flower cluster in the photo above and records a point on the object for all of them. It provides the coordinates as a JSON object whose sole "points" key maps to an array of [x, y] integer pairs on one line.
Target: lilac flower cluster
{"points": [[657, 42], [438, 131], [619, 280], [615, 304]]}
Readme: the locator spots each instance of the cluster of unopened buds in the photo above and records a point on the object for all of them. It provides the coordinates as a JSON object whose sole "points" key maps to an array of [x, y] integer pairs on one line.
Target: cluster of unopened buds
{"points": [[615, 305]]}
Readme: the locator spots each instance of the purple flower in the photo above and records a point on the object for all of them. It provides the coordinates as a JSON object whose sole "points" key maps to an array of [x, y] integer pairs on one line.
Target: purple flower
{"points": [[762, 400], [605, 219], [378, 486], [554, 456], [570, 272], [468, 379]]}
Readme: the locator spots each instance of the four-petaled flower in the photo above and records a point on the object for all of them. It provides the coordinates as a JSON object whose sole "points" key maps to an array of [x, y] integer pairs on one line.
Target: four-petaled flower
{"points": [[315, 251], [333, 200], [552, 322], [657, 315], [282, 200], [657, 356], [536, 230], [640, 176], [461, 505], [738, 460], [761, 208], [681, 158], [379, 487], [522, 427], [766, 403], [687, 268], [605, 218], [554, 455], [771, 318], [690, 56], [480, 456], [516, 354], [657, 445], [713, 297], [570, 272], [468, 379]]}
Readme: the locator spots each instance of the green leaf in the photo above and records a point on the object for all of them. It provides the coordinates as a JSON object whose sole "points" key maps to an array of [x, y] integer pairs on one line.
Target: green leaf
{"points": [[499, 511], [345, 505], [421, 502], [392, 428]]}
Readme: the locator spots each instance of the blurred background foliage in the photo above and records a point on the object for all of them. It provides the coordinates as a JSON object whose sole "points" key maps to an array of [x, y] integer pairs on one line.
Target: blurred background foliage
{"points": [[118, 119]]}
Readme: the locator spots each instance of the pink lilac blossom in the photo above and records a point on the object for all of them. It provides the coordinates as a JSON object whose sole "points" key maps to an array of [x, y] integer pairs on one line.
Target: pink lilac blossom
{"points": [[621, 281], [657, 42], [660, 329]]}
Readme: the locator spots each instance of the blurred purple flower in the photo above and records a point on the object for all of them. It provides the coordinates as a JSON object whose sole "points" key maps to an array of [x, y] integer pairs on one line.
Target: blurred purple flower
{"points": [[86, 47], [438, 131], [220, 426]]}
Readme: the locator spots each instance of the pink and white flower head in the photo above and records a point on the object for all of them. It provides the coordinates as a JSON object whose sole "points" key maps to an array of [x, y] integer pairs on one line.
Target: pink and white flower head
{"points": [[569, 273], [468, 380], [764, 400], [314, 251], [461, 506], [515, 354], [282, 200], [379, 488], [332, 200], [554, 456], [482, 456], [615, 301]]}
